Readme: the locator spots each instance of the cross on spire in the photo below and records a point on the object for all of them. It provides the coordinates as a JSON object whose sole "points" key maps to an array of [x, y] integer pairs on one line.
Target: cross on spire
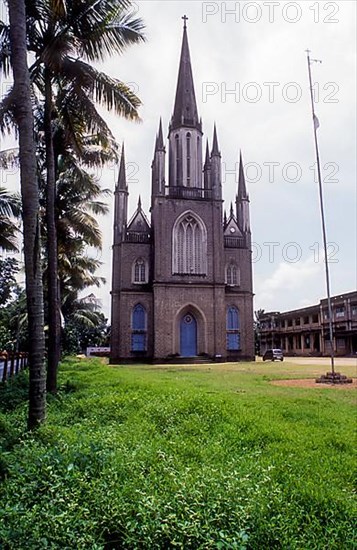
{"points": [[185, 19]]}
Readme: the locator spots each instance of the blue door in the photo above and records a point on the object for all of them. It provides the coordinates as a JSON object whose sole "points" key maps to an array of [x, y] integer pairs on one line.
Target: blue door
{"points": [[188, 336]]}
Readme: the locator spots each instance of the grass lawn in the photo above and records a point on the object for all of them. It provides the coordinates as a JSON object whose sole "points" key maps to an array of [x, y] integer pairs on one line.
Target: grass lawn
{"points": [[189, 457]]}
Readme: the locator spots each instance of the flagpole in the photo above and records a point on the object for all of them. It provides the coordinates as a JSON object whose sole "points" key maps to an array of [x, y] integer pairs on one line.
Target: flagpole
{"points": [[316, 125]]}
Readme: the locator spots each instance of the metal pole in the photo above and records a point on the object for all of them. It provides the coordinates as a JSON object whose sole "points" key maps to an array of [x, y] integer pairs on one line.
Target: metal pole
{"points": [[315, 125]]}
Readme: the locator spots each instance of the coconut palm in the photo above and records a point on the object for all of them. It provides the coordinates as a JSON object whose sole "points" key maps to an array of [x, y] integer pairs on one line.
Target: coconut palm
{"points": [[23, 116]]}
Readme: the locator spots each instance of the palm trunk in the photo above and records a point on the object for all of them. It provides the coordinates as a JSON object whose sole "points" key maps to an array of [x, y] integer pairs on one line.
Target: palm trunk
{"points": [[30, 204], [54, 321]]}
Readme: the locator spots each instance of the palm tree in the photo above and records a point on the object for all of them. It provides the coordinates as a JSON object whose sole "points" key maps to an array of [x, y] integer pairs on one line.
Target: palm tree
{"points": [[63, 35], [22, 113], [10, 205]]}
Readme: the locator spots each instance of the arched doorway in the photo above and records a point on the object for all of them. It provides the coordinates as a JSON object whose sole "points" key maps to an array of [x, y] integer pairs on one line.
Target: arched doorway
{"points": [[188, 336]]}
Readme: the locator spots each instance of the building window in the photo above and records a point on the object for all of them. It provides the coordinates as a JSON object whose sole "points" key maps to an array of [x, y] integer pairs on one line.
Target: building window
{"points": [[233, 332], [232, 275], [139, 271], [188, 159], [139, 328], [354, 311], [340, 312], [189, 246], [315, 318], [178, 160], [290, 322], [306, 320], [297, 321]]}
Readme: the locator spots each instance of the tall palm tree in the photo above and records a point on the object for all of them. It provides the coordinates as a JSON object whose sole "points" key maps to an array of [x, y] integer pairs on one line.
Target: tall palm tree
{"points": [[22, 113], [9, 209], [64, 36]]}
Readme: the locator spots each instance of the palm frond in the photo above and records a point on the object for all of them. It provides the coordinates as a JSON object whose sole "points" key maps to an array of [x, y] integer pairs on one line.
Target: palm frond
{"points": [[102, 89], [7, 119]]}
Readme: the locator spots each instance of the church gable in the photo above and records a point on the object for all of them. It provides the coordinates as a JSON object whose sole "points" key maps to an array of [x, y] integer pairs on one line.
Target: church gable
{"points": [[139, 222], [232, 229]]}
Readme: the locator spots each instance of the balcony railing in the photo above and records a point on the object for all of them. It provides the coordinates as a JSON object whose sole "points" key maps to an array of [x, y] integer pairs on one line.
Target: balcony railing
{"points": [[178, 192], [137, 238], [234, 242]]}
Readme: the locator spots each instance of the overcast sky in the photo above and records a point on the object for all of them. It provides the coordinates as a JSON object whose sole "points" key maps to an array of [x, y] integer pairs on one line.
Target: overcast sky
{"points": [[250, 73]]}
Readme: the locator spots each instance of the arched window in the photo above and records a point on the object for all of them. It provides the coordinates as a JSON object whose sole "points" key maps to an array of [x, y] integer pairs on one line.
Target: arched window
{"points": [[232, 275], [139, 274], [139, 328], [232, 329], [178, 160], [189, 246], [188, 159]]}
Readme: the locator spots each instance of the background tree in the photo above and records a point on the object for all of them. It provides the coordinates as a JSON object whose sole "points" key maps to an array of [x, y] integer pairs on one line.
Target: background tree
{"points": [[22, 113], [257, 329], [10, 205]]}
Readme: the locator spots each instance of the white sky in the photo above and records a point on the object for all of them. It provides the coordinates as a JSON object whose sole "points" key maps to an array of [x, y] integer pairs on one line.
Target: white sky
{"points": [[247, 50]]}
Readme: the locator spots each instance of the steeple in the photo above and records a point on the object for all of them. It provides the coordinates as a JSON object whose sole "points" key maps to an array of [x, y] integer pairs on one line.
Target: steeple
{"points": [[122, 172], [215, 148], [185, 108]]}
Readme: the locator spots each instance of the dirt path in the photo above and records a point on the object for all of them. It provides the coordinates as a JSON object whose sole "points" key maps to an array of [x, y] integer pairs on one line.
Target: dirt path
{"points": [[310, 383]]}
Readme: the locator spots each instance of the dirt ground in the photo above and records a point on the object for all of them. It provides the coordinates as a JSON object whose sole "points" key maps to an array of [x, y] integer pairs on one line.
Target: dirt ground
{"points": [[310, 383]]}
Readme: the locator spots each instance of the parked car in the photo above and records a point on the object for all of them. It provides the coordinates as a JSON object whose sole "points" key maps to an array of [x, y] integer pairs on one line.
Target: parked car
{"points": [[273, 355]]}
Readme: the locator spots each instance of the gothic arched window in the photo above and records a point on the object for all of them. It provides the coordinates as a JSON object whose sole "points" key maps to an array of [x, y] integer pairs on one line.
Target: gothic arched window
{"points": [[139, 273], [232, 275], [178, 160], [189, 246], [232, 329], [188, 159], [139, 328]]}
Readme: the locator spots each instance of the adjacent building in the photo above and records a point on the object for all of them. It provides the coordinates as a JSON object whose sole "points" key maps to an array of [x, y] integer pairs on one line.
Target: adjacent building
{"points": [[305, 331], [182, 278]]}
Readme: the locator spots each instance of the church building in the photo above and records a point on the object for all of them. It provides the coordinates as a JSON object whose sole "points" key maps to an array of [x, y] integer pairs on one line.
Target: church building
{"points": [[182, 279]]}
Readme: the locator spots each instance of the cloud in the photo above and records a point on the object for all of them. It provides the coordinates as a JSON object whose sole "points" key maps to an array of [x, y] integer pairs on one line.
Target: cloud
{"points": [[286, 287]]}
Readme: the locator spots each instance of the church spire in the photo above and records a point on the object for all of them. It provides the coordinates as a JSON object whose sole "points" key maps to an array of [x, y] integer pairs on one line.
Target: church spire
{"points": [[122, 172], [185, 108]]}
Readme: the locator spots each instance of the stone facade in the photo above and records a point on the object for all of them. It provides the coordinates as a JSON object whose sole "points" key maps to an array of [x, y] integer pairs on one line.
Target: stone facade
{"points": [[182, 283]]}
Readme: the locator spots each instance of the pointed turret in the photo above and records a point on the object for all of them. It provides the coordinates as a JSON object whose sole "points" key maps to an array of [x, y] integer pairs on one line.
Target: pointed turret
{"points": [[215, 148], [216, 167], [158, 165], [207, 169], [121, 202], [160, 140], [122, 172], [242, 200], [185, 108], [242, 191]]}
